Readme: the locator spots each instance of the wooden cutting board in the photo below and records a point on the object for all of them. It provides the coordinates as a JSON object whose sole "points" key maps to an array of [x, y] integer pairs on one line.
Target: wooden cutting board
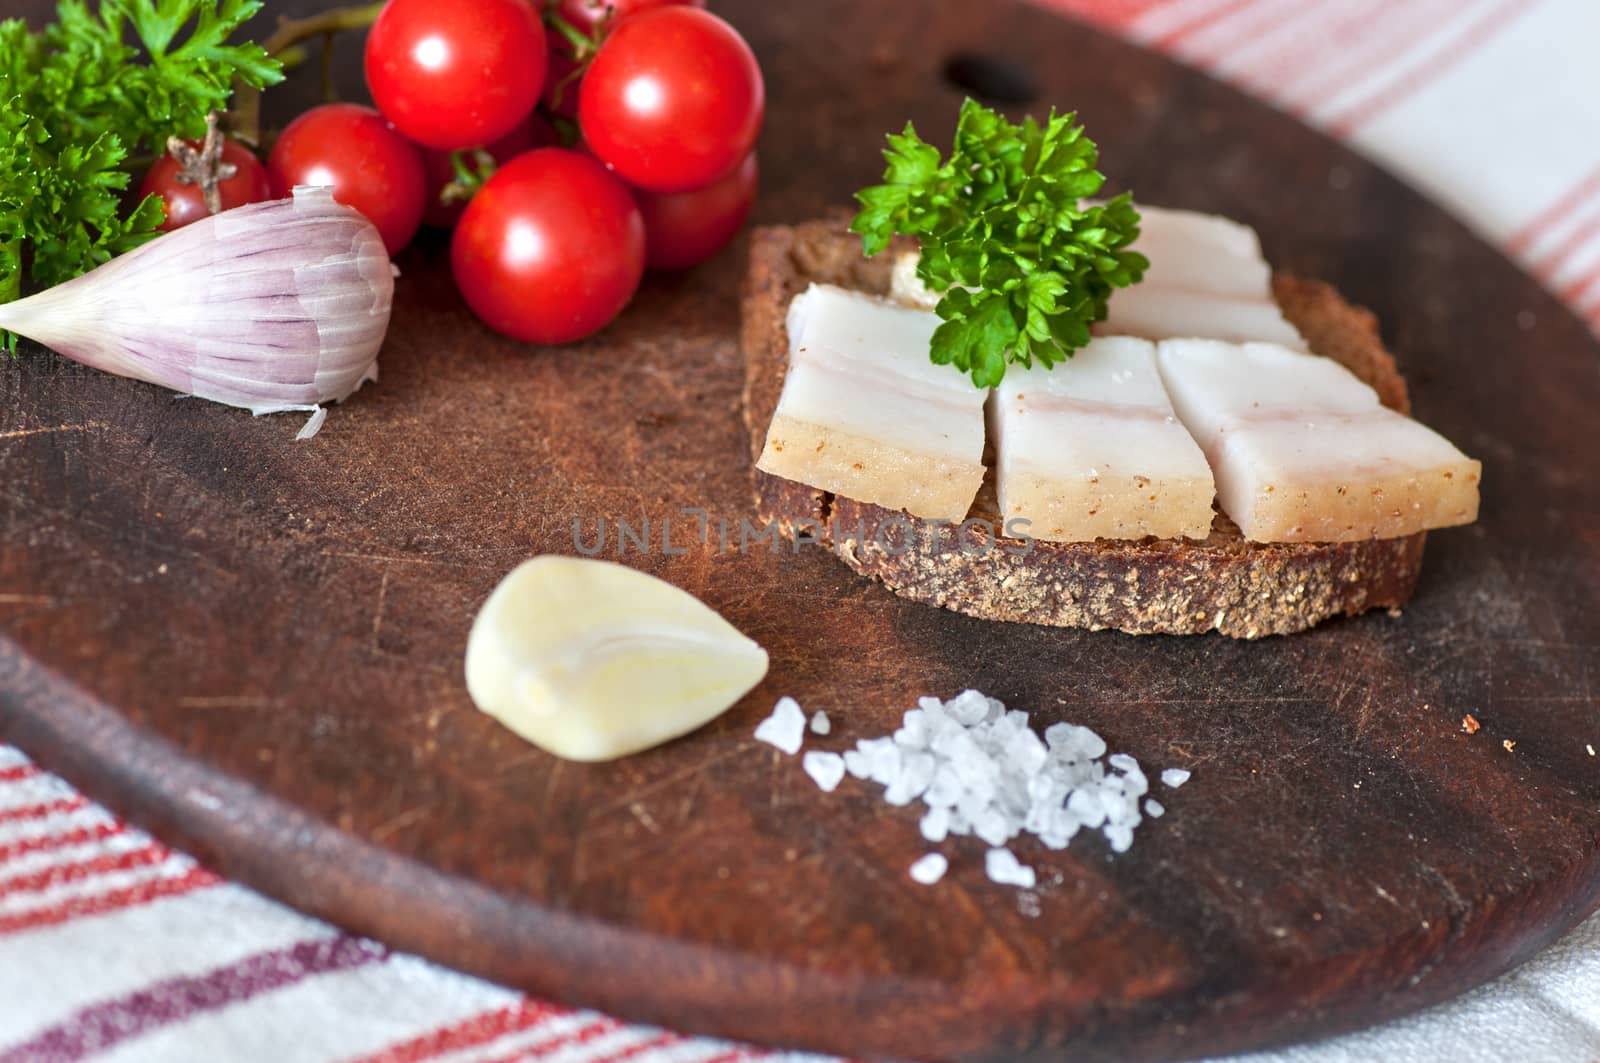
{"points": [[254, 646]]}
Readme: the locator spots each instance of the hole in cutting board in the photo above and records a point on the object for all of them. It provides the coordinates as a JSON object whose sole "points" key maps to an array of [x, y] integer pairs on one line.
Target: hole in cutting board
{"points": [[990, 78]]}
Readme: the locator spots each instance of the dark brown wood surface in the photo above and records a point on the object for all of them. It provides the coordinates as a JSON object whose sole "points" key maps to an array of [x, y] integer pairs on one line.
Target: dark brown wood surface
{"points": [[254, 646]]}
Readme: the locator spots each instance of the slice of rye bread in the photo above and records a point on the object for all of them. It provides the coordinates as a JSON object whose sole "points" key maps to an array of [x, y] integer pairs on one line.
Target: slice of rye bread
{"points": [[1148, 586]]}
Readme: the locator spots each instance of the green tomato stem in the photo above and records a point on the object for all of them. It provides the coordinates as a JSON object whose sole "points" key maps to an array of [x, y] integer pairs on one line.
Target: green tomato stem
{"points": [[245, 123]]}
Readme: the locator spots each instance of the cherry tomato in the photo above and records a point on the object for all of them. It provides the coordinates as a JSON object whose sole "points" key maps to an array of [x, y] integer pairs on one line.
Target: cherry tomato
{"points": [[550, 249], [673, 99], [586, 16], [185, 203], [590, 18], [683, 228], [451, 74], [536, 132], [368, 165]]}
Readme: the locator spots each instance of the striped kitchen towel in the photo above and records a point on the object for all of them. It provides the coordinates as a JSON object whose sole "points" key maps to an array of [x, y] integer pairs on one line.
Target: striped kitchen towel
{"points": [[1492, 107], [114, 947]]}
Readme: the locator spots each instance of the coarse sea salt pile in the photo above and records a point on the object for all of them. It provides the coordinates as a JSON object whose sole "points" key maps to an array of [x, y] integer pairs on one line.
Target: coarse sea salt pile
{"points": [[982, 770]]}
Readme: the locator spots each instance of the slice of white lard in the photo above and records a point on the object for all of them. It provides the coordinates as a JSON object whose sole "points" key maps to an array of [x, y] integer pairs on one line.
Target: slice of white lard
{"points": [[1303, 451], [1092, 449], [865, 414]]}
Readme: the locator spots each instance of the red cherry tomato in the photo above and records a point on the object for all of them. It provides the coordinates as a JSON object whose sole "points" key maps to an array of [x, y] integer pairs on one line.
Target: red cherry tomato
{"points": [[185, 203], [368, 165], [683, 228], [536, 132], [588, 17], [550, 249], [451, 74], [673, 99]]}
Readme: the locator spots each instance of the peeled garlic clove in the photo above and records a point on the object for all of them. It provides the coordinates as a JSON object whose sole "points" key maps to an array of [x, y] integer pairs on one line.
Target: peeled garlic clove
{"points": [[591, 660]]}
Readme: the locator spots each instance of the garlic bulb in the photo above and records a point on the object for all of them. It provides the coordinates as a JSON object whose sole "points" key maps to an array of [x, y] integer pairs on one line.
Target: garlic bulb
{"points": [[272, 307]]}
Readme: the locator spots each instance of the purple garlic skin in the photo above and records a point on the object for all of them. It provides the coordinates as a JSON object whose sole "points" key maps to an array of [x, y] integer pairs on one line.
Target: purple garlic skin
{"points": [[271, 307]]}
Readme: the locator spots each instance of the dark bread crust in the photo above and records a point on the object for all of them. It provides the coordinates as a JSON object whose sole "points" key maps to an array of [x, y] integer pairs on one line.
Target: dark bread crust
{"points": [[1149, 586]]}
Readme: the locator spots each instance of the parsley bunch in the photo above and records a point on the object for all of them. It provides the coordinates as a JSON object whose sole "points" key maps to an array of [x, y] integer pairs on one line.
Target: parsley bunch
{"points": [[1025, 266], [78, 96]]}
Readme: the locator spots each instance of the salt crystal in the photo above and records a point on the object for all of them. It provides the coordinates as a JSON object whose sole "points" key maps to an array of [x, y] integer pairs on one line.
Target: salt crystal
{"points": [[1077, 743], [785, 728], [935, 825], [820, 724], [1002, 866], [967, 708], [1154, 809], [1121, 810], [970, 805], [1122, 762], [993, 827], [1120, 837], [945, 789], [1026, 752], [913, 733], [1086, 806], [929, 869], [825, 769], [916, 772], [855, 762], [883, 760], [1175, 777]]}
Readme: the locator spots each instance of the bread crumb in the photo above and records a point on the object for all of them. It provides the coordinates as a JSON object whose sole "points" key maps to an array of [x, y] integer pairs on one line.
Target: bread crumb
{"points": [[1469, 724], [1509, 744]]}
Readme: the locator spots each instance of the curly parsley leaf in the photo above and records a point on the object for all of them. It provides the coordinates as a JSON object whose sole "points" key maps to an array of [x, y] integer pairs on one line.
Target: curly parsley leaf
{"points": [[1025, 265], [77, 97]]}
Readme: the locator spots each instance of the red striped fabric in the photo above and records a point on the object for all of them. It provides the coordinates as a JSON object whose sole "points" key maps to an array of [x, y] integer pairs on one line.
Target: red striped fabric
{"points": [[96, 1028], [110, 901], [66, 839], [561, 1042], [479, 1029], [1547, 263], [1413, 82], [64, 874], [42, 809], [1376, 49], [1547, 219], [1201, 21]]}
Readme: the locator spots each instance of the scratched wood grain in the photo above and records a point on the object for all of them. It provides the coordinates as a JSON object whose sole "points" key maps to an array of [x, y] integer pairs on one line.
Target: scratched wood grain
{"points": [[254, 646]]}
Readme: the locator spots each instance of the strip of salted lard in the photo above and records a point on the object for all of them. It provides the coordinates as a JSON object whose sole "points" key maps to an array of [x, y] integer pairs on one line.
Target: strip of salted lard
{"points": [[864, 413], [1207, 278], [1303, 451], [1092, 449]]}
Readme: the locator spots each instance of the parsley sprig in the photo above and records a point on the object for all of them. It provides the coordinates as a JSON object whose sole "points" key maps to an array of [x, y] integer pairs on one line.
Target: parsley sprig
{"points": [[1025, 266], [78, 96]]}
